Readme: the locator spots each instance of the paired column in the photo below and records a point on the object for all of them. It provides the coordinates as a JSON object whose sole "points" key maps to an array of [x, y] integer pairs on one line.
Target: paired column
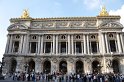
{"points": [[56, 44], [119, 43], [8, 43], [106, 42], [72, 44], [41, 45], [84, 39], [25, 44], [54, 48], [103, 43], [69, 45], [88, 49], [122, 42], [21, 44]]}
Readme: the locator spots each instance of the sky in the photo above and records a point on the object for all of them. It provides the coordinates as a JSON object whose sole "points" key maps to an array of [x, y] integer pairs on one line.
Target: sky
{"points": [[53, 8]]}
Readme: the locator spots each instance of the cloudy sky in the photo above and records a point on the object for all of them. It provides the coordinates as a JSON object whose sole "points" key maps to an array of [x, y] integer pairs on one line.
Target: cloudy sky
{"points": [[53, 8]]}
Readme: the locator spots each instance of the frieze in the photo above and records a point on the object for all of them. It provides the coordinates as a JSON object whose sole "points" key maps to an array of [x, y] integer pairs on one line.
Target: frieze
{"points": [[70, 24]]}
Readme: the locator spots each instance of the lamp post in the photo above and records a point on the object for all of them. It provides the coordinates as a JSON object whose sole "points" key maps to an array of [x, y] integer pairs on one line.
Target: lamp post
{"points": [[26, 67]]}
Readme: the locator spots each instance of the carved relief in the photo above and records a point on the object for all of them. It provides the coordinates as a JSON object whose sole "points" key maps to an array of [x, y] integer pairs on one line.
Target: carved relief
{"points": [[36, 24], [62, 24], [16, 26], [75, 24], [48, 24], [111, 24]]}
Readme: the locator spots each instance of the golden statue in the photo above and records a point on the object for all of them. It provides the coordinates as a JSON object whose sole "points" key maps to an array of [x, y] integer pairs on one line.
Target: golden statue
{"points": [[104, 12], [25, 14]]}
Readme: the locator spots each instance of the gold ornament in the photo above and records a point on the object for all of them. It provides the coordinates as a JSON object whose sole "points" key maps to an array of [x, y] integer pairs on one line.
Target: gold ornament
{"points": [[25, 14], [104, 12]]}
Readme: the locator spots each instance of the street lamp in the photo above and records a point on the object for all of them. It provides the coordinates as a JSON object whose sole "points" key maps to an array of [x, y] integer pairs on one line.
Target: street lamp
{"points": [[26, 67]]}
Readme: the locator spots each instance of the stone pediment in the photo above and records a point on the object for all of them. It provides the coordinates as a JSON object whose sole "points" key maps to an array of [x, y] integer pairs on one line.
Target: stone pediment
{"points": [[111, 24], [17, 27]]}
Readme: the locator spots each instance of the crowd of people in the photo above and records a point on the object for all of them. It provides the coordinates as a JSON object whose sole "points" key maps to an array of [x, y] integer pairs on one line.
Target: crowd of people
{"points": [[59, 77]]}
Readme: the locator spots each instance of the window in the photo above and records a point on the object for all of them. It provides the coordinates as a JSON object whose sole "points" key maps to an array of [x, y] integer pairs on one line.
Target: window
{"points": [[94, 46], [34, 37], [78, 47], [17, 36], [63, 47], [112, 45], [63, 37], [33, 47], [93, 37], [48, 47], [111, 35], [48, 37], [16, 46], [77, 37]]}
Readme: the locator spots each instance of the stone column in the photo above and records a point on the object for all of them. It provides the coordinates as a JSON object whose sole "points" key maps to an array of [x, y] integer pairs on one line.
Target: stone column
{"points": [[20, 64], [119, 44], [103, 43], [27, 44], [106, 42], [21, 44], [56, 44], [41, 45], [54, 39], [24, 44], [66, 47], [122, 42], [37, 65], [121, 66], [70, 66], [82, 47], [69, 45], [7, 44], [84, 39], [72, 44], [88, 49], [87, 66], [10, 45], [54, 65]]}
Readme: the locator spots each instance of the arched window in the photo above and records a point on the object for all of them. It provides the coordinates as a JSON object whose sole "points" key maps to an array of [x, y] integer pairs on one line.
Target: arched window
{"points": [[17, 36], [111, 35], [34, 37], [63, 37], [93, 37], [77, 37], [48, 37]]}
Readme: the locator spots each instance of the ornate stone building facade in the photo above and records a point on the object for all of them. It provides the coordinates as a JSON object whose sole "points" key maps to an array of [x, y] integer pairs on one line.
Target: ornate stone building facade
{"points": [[65, 44]]}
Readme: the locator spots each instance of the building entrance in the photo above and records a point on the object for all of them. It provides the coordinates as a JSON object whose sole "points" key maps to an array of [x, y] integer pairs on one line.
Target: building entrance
{"points": [[47, 67], [63, 67], [79, 67], [96, 67], [13, 66], [31, 67], [115, 66]]}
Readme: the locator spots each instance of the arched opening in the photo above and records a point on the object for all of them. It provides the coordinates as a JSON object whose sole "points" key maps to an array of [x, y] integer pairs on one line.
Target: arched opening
{"points": [[13, 66], [47, 67], [115, 66], [63, 67], [31, 67], [79, 67], [96, 67]]}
